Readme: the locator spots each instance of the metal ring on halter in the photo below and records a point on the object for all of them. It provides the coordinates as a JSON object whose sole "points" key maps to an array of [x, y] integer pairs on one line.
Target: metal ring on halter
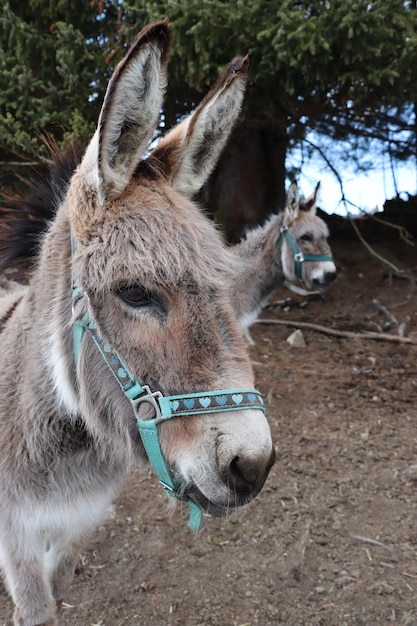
{"points": [[149, 397]]}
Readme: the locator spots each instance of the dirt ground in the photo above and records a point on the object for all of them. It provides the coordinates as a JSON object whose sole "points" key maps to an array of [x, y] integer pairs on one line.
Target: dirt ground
{"points": [[332, 538]]}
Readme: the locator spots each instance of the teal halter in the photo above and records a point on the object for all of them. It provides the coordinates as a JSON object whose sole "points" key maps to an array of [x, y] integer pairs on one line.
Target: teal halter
{"points": [[165, 407], [299, 257]]}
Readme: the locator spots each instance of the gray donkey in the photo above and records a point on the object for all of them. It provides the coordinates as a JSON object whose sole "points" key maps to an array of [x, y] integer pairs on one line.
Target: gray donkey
{"points": [[293, 246], [125, 346]]}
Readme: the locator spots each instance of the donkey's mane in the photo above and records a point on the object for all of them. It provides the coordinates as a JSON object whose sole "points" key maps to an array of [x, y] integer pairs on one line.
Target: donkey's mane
{"points": [[25, 217]]}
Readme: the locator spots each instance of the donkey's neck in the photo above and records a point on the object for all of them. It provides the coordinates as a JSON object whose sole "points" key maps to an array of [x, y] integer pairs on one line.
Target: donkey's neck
{"points": [[50, 295], [38, 376], [40, 325], [262, 270]]}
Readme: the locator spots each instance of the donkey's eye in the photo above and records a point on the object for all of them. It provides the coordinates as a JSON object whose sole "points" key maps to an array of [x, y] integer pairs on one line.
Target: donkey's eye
{"points": [[135, 295], [306, 238], [138, 297]]}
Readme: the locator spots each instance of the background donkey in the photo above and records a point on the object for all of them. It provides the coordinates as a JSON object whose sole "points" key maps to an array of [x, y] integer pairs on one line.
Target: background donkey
{"points": [[292, 246], [132, 283]]}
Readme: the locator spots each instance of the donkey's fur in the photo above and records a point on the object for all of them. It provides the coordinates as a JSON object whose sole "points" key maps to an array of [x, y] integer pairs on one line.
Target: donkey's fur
{"points": [[158, 281], [271, 261]]}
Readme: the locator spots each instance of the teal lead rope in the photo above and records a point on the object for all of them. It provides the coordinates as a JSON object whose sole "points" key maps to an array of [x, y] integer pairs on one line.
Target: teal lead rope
{"points": [[148, 431], [149, 434], [165, 407]]}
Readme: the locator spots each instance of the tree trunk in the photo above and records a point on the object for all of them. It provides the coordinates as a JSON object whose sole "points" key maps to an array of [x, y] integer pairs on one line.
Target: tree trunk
{"points": [[249, 181]]}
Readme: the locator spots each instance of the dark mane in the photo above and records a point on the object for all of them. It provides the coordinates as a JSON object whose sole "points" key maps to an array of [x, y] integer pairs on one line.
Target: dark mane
{"points": [[24, 218]]}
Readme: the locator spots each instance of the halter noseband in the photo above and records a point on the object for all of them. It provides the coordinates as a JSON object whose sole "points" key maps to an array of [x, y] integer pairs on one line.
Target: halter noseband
{"points": [[165, 407], [299, 257]]}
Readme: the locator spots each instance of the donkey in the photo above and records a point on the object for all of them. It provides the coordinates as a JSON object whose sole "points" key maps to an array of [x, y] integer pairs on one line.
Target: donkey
{"points": [[292, 245], [125, 345]]}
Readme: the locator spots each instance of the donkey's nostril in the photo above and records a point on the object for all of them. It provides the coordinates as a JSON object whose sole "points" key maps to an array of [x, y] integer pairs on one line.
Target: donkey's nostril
{"points": [[240, 475], [324, 279]]}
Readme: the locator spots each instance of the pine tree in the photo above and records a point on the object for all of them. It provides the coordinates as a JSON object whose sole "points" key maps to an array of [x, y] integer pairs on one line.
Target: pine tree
{"points": [[342, 67]]}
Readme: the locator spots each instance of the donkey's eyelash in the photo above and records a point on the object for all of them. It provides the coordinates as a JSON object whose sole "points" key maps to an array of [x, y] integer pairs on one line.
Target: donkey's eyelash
{"points": [[307, 238], [137, 296]]}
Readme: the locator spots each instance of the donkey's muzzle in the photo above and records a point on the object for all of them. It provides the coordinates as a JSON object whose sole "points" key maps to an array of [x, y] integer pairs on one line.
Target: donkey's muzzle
{"points": [[246, 477], [325, 280]]}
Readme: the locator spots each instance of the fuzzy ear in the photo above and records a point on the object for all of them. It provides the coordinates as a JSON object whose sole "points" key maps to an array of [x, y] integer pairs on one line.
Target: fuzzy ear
{"points": [[131, 108], [188, 154], [292, 205], [310, 203], [128, 118]]}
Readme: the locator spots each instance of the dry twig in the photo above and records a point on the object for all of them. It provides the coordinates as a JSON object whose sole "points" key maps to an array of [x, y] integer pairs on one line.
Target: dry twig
{"points": [[391, 319], [404, 234], [340, 333], [371, 250], [373, 542]]}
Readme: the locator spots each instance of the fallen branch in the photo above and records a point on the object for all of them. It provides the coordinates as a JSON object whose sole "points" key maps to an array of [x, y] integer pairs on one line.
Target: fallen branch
{"points": [[339, 333], [373, 542], [391, 319]]}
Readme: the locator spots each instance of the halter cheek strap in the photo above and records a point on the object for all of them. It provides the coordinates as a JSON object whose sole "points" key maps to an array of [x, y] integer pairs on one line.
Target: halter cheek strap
{"points": [[299, 257], [165, 407]]}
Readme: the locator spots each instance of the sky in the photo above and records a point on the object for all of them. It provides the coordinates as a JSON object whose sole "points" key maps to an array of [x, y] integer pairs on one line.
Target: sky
{"points": [[367, 190]]}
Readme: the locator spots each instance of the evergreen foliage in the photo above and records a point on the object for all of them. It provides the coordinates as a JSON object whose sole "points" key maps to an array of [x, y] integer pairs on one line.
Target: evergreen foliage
{"points": [[343, 67]]}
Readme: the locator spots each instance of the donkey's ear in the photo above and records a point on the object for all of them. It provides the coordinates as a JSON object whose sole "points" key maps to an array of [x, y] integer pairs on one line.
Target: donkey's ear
{"points": [[188, 154], [292, 205], [129, 114], [310, 203]]}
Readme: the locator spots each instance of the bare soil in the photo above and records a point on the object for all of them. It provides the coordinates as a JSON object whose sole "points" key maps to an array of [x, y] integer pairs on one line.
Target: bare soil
{"points": [[332, 538]]}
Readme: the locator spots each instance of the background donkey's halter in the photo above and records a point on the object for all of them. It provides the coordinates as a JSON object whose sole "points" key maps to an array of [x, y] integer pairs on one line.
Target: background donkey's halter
{"points": [[165, 407], [299, 257]]}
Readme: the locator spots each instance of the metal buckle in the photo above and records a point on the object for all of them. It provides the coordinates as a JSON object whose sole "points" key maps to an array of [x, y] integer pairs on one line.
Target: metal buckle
{"points": [[152, 398], [171, 491], [299, 257]]}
